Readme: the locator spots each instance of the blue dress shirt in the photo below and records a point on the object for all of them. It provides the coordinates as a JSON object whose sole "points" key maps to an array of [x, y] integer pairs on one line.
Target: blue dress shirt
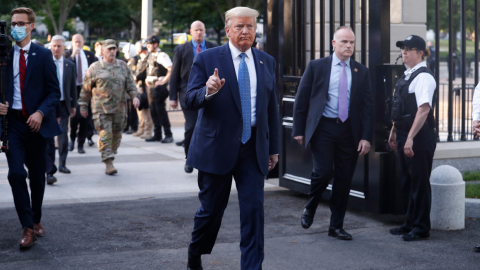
{"points": [[203, 47], [331, 108]]}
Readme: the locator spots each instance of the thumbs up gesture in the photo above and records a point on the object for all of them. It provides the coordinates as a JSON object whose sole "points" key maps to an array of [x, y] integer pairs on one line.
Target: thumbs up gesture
{"points": [[214, 83]]}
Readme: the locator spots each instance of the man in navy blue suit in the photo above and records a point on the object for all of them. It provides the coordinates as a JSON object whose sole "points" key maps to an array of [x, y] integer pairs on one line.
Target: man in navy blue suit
{"points": [[33, 92], [236, 134]]}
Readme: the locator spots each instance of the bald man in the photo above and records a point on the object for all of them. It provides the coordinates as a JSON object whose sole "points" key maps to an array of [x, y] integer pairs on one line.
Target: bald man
{"points": [[182, 62], [82, 60]]}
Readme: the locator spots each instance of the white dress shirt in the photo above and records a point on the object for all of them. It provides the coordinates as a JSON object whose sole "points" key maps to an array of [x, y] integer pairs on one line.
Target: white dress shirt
{"points": [[17, 94], [423, 85], [60, 69], [83, 58], [476, 103]]}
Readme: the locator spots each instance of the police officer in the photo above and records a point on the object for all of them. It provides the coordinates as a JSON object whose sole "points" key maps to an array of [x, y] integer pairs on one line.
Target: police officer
{"points": [[107, 82], [413, 137], [157, 77]]}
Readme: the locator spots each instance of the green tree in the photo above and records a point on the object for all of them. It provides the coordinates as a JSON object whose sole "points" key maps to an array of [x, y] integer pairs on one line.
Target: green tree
{"points": [[54, 8]]}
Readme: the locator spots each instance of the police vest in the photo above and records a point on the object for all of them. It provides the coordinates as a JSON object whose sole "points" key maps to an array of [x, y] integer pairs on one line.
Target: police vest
{"points": [[404, 105], [154, 68]]}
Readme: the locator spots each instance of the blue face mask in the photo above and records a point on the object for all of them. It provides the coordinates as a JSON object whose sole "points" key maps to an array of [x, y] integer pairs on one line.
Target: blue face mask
{"points": [[19, 33]]}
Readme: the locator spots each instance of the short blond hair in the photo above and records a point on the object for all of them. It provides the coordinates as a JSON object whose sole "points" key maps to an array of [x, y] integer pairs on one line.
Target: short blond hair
{"points": [[240, 12]]}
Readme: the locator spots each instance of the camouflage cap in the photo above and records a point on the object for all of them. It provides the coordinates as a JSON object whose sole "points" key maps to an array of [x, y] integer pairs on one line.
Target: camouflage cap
{"points": [[109, 43]]}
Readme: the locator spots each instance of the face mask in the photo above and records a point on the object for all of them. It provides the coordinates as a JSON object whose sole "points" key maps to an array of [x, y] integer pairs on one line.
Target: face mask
{"points": [[19, 33]]}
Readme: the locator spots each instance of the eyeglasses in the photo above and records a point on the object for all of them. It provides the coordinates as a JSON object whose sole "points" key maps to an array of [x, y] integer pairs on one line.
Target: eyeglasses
{"points": [[407, 49], [13, 24]]}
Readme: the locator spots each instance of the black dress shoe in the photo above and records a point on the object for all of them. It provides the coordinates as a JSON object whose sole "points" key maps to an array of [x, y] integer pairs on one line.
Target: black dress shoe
{"points": [[168, 139], [194, 262], [477, 248], [307, 218], [70, 146], [399, 230], [188, 168], [180, 143], [90, 142], [51, 179], [415, 237], [154, 139], [81, 150], [339, 233], [63, 169]]}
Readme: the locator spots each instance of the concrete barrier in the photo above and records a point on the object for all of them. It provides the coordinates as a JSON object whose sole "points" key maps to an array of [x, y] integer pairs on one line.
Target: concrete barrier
{"points": [[448, 199]]}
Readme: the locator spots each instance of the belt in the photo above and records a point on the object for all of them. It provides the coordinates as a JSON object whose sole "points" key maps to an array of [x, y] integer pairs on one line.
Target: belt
{"points": [[335, 120], [16, 113]]}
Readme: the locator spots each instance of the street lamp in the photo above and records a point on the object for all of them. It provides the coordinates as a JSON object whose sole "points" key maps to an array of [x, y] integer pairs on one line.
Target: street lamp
{"points": [[172, 25]]}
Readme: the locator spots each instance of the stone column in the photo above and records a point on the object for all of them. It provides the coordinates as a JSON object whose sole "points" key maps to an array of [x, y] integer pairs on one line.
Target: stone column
{"points": [[146, 18]]}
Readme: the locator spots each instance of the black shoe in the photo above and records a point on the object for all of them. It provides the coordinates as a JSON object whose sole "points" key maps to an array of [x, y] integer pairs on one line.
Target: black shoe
{"points": [[399, 230], [182, 143], [477, 248], [51, 179], [188, 168], [63, 169], [415, 237], [154, 139], [194, 262], [168, 139], [90, 142], [70, 146], [307, 218], [81, 150], [339, 233]]}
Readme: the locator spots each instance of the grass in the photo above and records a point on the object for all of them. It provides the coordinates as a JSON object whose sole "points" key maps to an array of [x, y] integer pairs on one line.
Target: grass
{"points": [[472, 190], [471, 176]]}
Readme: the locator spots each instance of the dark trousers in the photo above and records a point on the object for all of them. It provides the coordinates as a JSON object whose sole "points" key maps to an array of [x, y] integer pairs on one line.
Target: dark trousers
{"points": [[82, 125], [63, 138], [190, 121], [26, 147], [50, 156], [415, 180], [132, 117], [334, 156], [160, 118], [214, 194]]}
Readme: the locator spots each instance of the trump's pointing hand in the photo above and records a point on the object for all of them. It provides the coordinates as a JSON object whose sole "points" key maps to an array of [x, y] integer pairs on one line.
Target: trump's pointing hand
{"points": [[214, 83]]}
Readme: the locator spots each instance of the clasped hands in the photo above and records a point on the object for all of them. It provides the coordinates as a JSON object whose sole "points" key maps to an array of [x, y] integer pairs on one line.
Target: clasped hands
{"points": [[476, 128]]}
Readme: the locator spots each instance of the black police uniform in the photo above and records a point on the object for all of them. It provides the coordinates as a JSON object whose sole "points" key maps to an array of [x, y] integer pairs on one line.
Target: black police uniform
{"points": [[157, 96], [414, 172]]}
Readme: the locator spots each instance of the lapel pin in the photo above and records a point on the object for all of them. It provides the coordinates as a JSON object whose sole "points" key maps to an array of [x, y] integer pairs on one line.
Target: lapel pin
{"points": [[355, 70], [34, 54], [261, 62]]}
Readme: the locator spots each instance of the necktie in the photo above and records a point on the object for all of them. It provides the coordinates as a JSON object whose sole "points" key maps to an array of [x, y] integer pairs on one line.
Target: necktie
{"points": [[343, 94], [79, 70], [198, 48], [244, 86], [57, 63], [23, 71]]}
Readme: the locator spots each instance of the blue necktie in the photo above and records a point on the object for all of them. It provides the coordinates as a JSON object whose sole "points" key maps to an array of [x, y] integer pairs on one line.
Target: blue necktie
{"points": [[245, 97]]}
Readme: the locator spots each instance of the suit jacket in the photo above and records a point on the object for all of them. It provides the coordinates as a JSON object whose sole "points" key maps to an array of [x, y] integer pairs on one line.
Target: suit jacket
{"points": [[216, 141], [41, 92], [312, 96], [182, 63], [69, 85], [91, 58]]}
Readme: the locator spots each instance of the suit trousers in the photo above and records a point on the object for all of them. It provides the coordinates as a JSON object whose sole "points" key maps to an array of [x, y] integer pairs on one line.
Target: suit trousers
{"points": [[334, 156], [26, 147], [132, 117], [50, 156], [190, 121], [84, 125], [63, 138], [160, 118], [214, 194], [415, 180]]}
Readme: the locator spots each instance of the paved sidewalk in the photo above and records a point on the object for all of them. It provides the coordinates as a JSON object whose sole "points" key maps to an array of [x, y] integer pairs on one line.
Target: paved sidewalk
{"points": [[142, 218]]}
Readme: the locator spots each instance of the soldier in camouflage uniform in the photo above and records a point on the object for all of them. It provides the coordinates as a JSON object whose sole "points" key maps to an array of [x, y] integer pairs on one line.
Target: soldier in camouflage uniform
{"points": [[108, 82]]}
